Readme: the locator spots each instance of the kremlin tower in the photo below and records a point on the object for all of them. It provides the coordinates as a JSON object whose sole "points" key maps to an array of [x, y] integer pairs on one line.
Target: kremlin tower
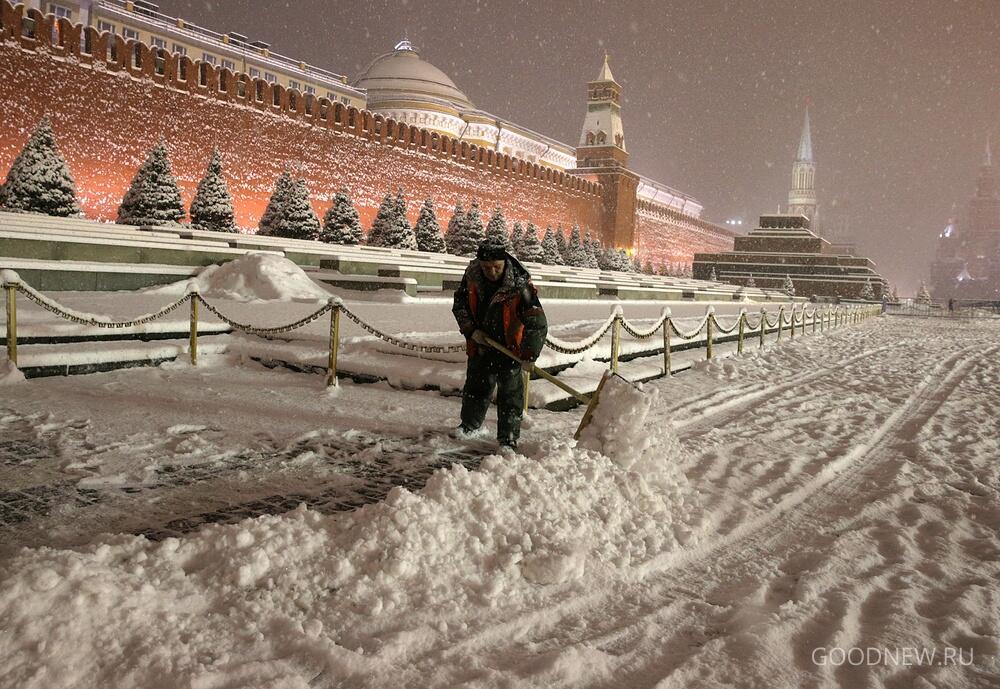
{"points": [[802, 197]]}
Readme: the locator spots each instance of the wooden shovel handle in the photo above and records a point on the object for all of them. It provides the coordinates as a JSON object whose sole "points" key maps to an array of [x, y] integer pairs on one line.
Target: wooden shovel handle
{"points": [[540, 371]]}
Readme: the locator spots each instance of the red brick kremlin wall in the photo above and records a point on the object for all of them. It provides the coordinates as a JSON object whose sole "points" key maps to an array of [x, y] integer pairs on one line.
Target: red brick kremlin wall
{"points": [[111, 100], [666, 236]]}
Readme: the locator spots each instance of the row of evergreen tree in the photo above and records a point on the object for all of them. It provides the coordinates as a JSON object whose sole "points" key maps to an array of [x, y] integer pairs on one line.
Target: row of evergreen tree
{"points": [[40, 181]]}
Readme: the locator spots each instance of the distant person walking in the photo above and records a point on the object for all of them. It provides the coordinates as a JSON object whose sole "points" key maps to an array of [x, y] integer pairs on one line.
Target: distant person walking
{"points": [[496, 299]]}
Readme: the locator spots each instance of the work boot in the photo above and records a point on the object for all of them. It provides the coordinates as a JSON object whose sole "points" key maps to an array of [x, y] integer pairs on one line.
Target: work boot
{"points": [[464, 432]]}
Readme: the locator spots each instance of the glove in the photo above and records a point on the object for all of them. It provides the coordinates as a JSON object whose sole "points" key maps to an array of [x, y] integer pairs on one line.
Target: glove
{"points": [[479, 337], [527, 366]]}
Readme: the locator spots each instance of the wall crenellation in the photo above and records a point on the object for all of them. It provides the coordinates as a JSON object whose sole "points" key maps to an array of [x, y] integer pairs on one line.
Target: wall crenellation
{"points": [[36, 31]]}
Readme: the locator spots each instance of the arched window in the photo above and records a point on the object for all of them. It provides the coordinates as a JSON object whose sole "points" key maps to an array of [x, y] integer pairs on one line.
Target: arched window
{"points": [[602, 138]]}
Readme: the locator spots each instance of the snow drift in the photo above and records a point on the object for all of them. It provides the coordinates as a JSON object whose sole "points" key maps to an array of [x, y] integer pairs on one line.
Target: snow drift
{"points": [[302, 583], [254, 276]]}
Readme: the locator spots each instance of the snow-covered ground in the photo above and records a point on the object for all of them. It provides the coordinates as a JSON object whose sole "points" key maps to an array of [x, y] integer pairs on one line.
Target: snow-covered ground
{"points": [[781, 510]]}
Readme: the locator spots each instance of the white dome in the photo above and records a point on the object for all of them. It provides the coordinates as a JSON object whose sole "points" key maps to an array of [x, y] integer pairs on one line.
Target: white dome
{"points": [[403, 75]]}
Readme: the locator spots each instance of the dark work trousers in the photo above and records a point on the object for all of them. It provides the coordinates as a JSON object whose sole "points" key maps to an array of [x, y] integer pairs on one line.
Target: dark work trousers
{"points": [[486, 371]]}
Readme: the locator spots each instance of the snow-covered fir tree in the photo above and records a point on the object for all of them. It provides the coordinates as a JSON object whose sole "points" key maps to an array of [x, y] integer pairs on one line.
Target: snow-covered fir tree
{"points": [[868, 292], [474, 225], [593, 248], [517, 239], [212, 207], [788, 287], [713, 276], [39, 180], [924, 295], [390, 227], [576, 253], [636, 264], [550, 248], [454, 227], [496, 228], [607, 259], [153, 197], [401, 204], [383, 219], [562, 245], [895, 294], [531, 248], [469, 233], [341, 224], [297, 219], [280, 195], [751, 283], [647, 267], [428, 231]]}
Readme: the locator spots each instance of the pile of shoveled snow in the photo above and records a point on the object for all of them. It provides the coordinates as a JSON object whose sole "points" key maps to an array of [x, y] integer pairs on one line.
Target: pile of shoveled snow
{"points": [[618, 429], [254, 276], [303, 588]]}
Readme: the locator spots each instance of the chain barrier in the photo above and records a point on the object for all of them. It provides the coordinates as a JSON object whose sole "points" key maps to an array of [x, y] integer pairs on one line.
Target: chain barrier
{"points": [[61, 311], [644, 335], [665, 321], [564, 347], [725, 331], [254, 330], [395, 341], [693, 333]]}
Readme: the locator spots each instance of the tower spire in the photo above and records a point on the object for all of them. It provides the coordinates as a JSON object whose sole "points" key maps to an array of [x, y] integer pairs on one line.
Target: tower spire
{"points": [[802, 196], [602, 139], [605, 74], [805, 141]]}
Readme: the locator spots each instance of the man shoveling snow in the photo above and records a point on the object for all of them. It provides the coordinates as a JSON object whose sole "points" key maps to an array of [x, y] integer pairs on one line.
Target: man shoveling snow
{"points": [[497, 300]]}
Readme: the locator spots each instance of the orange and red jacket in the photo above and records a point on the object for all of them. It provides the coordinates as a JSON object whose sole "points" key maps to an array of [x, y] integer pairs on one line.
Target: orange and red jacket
{"points": [[513, 316]]}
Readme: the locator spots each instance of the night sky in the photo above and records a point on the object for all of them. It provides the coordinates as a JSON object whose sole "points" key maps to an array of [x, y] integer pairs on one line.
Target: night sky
{"points": [[903, 92]]}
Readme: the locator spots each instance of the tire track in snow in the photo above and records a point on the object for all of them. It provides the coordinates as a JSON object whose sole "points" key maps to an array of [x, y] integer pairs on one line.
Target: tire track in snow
{"points": [[796, 519], [672, 587], [711, 412]]}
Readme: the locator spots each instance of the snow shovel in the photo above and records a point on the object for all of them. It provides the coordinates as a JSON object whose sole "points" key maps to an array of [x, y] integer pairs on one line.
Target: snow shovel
{"points": [[590, 401]]}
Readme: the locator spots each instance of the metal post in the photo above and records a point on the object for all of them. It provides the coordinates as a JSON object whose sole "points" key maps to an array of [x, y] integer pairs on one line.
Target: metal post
{"points": [[331, 367], [11, 323], [616, 341], [822, 317], [815, 309], [666, 347], [792, 319], [708, 335], [739, 338], [781, 320], [763, 322], [194, 329]]}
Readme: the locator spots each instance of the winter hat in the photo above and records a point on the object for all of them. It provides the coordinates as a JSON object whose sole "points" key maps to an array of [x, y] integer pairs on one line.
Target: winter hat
{"points": [[491, 249]]}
